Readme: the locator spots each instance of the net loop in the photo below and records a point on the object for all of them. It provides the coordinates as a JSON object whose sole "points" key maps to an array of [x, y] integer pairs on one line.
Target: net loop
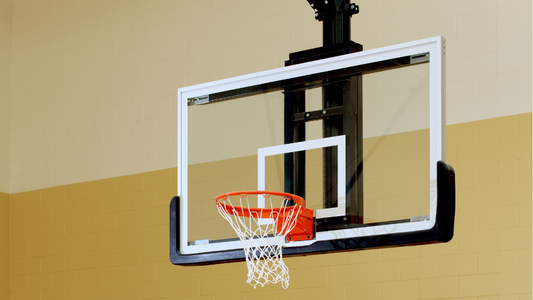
{"points": [[262, 230]]}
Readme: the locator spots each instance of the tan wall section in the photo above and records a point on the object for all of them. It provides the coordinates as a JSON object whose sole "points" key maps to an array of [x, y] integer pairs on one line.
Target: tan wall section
{"points": [[5, 94], [488, 48], [104, 239], [94, 82], [108, 239], [4, 246]]}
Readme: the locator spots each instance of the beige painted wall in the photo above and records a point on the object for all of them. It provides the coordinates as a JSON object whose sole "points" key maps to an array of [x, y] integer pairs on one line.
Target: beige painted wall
{"points": [[94, 82], [5, 94]]}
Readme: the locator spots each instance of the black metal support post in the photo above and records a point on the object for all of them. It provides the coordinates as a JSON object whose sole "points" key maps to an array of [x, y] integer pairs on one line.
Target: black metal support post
{"points": [[336, 16], [344, 94]]}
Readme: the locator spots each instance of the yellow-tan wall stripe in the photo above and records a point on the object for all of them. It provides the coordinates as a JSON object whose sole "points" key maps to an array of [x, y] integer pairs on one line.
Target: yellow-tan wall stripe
{"points": [[109, 238], [4, 245]]}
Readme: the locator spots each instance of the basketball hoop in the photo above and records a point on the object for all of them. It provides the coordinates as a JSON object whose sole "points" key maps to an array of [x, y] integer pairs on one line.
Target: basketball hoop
{"points": [[263, 229]]}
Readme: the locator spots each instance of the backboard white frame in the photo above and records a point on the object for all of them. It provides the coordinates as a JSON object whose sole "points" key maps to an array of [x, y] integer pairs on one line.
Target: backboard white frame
{"points": [[434, 46]]}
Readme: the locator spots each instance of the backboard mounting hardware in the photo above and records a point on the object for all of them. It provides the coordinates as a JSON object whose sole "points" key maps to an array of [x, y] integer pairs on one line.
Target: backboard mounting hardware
{"points": [[419, 58], [198, 100]]}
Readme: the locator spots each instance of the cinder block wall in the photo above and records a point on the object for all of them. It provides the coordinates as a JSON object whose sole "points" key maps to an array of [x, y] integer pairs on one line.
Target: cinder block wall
{"points": [[93, 151], [4, 245], [5, 93]]}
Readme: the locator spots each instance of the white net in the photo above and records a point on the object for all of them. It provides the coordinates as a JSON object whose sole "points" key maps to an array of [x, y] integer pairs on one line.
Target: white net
{"points": [[262, 232]]}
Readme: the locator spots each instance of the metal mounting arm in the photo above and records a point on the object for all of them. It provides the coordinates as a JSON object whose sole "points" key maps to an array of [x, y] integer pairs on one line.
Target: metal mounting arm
{"points": [[323, 7]]}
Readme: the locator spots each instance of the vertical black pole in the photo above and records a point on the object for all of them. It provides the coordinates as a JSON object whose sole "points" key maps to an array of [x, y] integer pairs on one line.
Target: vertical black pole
{"points": [[336, 23], [345, 93], [348, 95]]}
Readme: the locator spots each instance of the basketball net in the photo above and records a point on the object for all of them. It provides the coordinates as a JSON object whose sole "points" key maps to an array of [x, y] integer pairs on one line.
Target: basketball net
{"points": [[262, 232]]}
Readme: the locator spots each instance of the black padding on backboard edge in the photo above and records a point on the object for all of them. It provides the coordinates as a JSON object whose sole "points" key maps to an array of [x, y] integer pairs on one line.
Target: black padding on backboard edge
{"points": [[441, 232]]}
